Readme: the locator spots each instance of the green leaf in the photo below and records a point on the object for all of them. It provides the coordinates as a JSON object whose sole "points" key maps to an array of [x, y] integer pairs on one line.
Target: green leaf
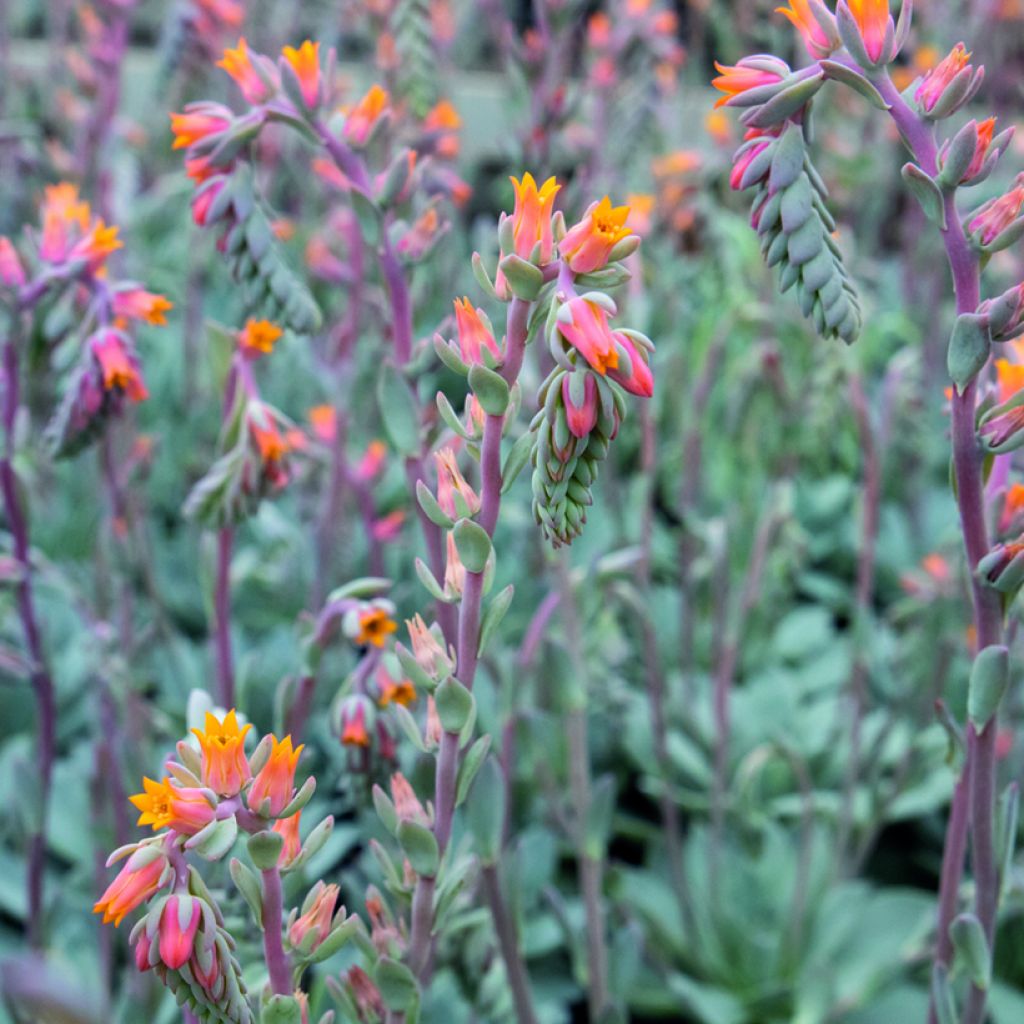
{"points": [[470, 766], [494, 614], [420, 847], [454, 705], [398, 410], [265, 849], [485, 811], [248, 884], [473, 544], [968, 349], [971, 948], [490, 389], [926, 192], [990, 676], [397, 985]]}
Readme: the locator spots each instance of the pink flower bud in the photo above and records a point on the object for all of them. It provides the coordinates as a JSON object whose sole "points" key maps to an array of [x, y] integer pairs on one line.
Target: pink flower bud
{"points": [[179, 923], [579, 395]]}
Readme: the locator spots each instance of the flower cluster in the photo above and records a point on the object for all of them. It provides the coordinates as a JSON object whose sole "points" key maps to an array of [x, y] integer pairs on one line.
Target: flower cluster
{"points": [[208, 795], [69, 254]]}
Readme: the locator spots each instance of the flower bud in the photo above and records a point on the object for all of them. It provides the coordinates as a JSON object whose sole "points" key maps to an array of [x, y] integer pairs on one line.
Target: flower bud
{"points": [[949, 85], [276, 779], [179, 923], [313, 926]]}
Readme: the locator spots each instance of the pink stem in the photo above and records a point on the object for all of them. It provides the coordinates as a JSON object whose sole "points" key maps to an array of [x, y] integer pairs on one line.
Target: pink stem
{"points": [[273, 946]]}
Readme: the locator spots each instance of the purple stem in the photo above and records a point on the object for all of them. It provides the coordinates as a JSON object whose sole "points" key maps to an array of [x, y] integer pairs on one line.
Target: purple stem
{"points": [[468, 640], [222, 619], [974, 796], [42, 682], [273, 946]]}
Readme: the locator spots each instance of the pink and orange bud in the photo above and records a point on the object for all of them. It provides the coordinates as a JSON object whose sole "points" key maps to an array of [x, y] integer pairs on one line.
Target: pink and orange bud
{"points": [[996, 216], [454, 494], [361, 120], [203, 200], [195, 125], [305, 63], [746, 158], [639, 381], [309, 930], [288, 828], [407, 804], [586, 328], [365, 994], [454, 570], [579, 396], [429, 654], [62, 213], [937, 81], [12, 273], [423, 235], [588, 244], [531, 217], [1009, 379], [272, 448], [136, 882], [375, 626], [164, 805], [433, 729], [119, 369], [1013, 508], [238, 64], [258, 338], [986, 129], [354, 731], [276, 779], [394, 691], [323, 421], [372, 461], [222, 743], [179, 922], [474, 334], [444, 122], [875, 24], [388, 527], [736, 79], [138, 304], [815, 23]]}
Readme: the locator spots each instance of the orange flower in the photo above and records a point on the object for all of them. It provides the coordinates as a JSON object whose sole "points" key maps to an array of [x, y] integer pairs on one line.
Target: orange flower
{"points": [[474, 334], [138, 304], [819, 43], [997, 215], [587, 245], [324, 421], [276, 779], [225, 768], [194, 125], [272, 447], [531, 217], [238, 64], [97, 245], [164, 805], [257, 338], [373, 459], [1013, 506], [1010, 379], [289, 829], [135, 883], [444, 121], [353, 725], [734, 79], [119, 369], [305, 62], [361, 119], [938, 79], [588, 331], [314, 925], [62, 211], [874, 21], [394, 691], [375, 626]]}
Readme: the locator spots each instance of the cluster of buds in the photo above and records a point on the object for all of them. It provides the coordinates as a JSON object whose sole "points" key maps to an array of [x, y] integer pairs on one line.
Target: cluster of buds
{"points": [[209, 794], [789, 209], [69, 254], [255, 441]]}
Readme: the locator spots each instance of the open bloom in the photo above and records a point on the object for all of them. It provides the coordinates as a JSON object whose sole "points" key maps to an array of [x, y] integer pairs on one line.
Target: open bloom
{"points": [[474, 334], [875, 24], [305, 63], [936, 81], [363, 117], [222, 742], [136, 882], [734, 79], [165, 805], [96, 245], [820, 42], [238, 64], [119, 368], [588, 244], [272, 448], [138, 304], [276, 779], [588, 331], [258, 338], [314, 925], [375, 626], [179, 922], [64, 215], [531, 217], [394, 691]]}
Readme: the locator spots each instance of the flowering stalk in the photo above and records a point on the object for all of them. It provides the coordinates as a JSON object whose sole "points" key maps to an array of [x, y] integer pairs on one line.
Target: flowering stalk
{"points": [[42, 681], [777, 105]]}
